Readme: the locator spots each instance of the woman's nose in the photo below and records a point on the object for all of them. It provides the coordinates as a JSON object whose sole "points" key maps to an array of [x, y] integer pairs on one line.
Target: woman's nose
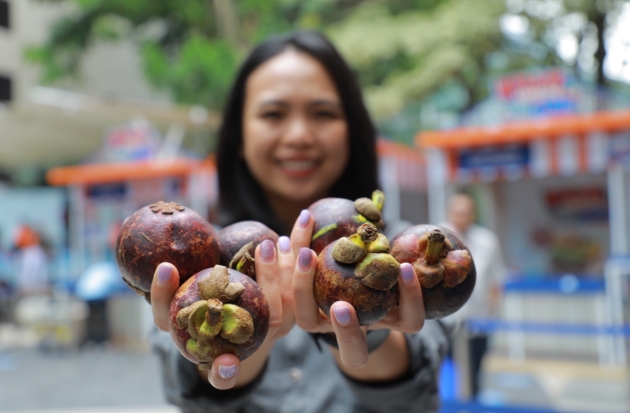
{"points": [[298, 132]]}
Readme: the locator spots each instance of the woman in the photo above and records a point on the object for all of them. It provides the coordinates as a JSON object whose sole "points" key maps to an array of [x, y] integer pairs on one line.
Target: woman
{"points": [[295, 130]]}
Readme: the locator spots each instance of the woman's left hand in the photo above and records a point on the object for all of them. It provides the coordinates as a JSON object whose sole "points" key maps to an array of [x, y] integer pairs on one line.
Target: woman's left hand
{"points": [[407, 317]]}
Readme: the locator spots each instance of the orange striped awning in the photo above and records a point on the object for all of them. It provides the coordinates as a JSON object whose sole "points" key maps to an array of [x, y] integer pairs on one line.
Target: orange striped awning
{"points": [[120, 172], [563, 145]]}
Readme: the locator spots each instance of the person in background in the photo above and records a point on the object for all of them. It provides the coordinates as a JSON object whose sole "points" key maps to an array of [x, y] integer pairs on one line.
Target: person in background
{"points": [[486, 251], [31, 262], [295, 130]]}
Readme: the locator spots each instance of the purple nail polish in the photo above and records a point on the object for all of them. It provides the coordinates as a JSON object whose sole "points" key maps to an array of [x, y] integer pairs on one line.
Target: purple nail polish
{"points": [[163, 274], [227, 372], [284, 244], [407, 273], [304, 258], [267, 250], [342, 315], [305, 216]]}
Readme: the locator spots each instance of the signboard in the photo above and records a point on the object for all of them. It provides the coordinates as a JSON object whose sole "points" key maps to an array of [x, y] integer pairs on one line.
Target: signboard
{"points": [[578, 204], [538, 93], [134, 141], [508, 156]]}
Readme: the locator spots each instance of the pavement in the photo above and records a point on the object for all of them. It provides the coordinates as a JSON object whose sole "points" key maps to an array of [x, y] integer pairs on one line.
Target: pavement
{"points": [[97, 379]]}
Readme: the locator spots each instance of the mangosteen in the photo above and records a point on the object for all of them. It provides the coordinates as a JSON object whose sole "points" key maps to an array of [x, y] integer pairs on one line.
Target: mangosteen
{"points": [[338, 217], [443, 265], [164, 232], [359, 270], [218, 311], [238, 243]]}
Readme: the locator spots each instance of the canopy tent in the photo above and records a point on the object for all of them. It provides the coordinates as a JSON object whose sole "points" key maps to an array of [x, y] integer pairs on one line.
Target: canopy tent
{"points": [[564, 145], [554, 148]]}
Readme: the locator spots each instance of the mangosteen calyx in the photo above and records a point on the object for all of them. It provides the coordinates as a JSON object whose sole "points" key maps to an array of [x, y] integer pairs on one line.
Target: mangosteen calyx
{"points": [[370, 209], [440, 262], [242, 258], [166, 208], [369, 250], [215, 315]]}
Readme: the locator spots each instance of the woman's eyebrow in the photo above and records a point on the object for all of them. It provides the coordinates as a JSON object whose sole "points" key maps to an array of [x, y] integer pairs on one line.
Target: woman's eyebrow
{"points": [[273, 102], [325, 102]]}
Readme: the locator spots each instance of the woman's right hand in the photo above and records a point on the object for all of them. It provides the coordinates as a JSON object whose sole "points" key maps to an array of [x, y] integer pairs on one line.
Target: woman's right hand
{"points": [[274, 272]]}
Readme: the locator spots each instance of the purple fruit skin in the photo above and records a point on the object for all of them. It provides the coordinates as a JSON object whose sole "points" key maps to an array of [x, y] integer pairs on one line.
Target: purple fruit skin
{"points": [[146, 239], [234, 237], [441, 301], [252, 300], [329, 211]]}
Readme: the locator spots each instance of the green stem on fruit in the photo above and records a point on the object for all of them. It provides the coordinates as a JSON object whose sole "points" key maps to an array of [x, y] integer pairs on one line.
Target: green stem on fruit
{"points": [[435, 243], [360, 219], [378, 197], [242, 256], [324, 230]]}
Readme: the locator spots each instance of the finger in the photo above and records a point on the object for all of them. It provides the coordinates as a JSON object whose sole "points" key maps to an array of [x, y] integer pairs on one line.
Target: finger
{"points": [[411, 304], [307, 314], [267, 276], [302, 232], [286, 264], [350, 337], [224, 372], [163, 287]]}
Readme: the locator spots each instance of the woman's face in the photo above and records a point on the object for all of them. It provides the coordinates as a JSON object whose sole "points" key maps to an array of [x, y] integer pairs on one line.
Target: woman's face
{"points": [[295, 136]]}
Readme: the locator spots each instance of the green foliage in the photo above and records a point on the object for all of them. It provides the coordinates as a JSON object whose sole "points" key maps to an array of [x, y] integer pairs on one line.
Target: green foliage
{"points": [[405, 57], [190, 49], [187, 77], [406, 53]]}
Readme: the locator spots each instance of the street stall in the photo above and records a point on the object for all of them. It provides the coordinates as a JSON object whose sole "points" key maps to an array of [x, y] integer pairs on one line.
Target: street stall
{"points": [[556, 190]]}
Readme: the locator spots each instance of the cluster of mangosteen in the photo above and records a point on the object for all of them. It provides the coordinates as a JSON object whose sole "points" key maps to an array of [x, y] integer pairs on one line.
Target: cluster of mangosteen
{"points": [[219, 308], [359, 265]]}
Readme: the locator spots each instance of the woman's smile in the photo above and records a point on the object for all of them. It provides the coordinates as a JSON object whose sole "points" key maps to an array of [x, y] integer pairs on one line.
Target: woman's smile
{"points": [[298, 168]]}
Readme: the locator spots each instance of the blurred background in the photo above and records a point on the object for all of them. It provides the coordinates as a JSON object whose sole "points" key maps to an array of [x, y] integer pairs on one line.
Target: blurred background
{"points": [[109, 105]]}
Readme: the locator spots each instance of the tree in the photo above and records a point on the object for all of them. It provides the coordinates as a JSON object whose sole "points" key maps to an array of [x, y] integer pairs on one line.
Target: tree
{"points": [[190, 49], [404, 56], [405, 52]]}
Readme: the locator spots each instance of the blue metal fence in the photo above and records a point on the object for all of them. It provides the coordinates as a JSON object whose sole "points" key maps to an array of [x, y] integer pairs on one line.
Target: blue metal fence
{"points": [[470, 407]]}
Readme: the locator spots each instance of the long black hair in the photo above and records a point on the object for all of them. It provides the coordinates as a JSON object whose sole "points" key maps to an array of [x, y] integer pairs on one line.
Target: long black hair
{"points": [[240, 195]]}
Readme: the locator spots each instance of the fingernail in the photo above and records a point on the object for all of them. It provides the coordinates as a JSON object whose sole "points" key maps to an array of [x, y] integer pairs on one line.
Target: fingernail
{"points": [[227, 372], [407, 273], [267, 250], [284, 244], [342, 315], [305, 216], [164, 274], [304, 259]]}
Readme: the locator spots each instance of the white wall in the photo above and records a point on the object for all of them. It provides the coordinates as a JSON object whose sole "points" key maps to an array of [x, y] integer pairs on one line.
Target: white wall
{"points": [[109, 70]]}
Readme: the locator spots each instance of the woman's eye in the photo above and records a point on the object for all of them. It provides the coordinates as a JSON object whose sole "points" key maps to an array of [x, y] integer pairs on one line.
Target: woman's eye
{"points": [[326, 115], [271, 115]]}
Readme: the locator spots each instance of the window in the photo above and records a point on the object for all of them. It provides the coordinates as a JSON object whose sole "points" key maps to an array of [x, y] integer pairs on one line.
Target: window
{"points": [[5, 89], [4, 14]]}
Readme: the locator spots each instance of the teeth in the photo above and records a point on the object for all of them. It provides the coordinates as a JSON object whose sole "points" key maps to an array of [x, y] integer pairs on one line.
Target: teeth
{"points": [[298, 165]]}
